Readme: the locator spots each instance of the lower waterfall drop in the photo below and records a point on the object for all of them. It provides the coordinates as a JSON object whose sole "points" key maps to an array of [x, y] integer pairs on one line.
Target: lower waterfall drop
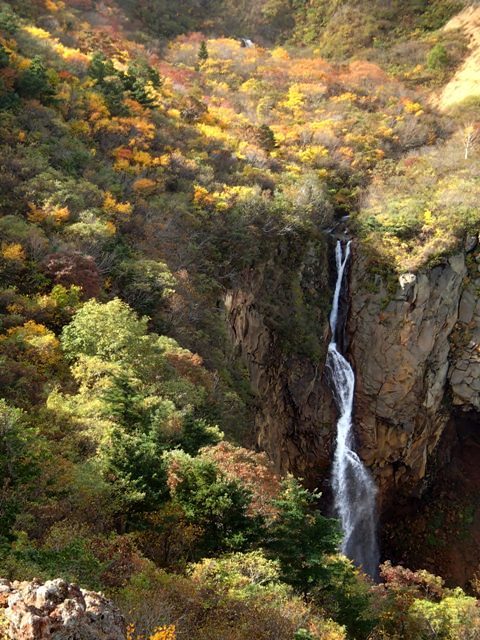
{"points": [[353, 488]]}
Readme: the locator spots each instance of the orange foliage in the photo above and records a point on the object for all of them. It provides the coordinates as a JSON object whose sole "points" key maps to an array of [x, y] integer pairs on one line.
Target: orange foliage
{"points": [[144, 185], [360, 71], [190, 366], [253, 470]]}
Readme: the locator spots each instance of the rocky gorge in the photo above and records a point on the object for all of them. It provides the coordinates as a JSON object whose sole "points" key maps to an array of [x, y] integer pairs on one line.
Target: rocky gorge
{"points": [[414, 342]]}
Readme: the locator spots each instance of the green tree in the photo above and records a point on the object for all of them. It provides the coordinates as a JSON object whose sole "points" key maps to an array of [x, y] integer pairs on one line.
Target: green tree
{"points": [[455, 617], [438, 58], [266, 138], [216, 504], [8, 20], [4, 57], [202, 52], [34, 82], [302, 538], [345, 595], [198, 433], [111, 331], [100, 67], [18, 463]]}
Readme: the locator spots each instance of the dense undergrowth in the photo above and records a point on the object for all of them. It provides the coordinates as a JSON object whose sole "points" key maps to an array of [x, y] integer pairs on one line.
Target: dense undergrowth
{"points": [[137, 186]]}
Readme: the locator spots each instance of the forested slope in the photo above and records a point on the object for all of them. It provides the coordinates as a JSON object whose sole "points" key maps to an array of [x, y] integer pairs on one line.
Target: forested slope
{"points": [[148, 169]]}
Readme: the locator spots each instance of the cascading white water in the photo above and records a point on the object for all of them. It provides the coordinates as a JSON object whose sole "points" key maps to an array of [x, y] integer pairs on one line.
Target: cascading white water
{"points": [[353, 488]]}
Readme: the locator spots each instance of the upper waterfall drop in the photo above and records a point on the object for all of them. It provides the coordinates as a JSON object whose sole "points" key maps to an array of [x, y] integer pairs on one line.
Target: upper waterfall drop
{"points": [[353, 488]]}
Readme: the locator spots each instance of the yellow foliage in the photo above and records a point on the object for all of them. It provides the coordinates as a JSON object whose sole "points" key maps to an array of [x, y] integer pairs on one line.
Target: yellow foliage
{"points": [[412, 107], [346, 151], [214, 132], [79, 127], [96, 106], [44, 341], [60, 214], [115, 208], [279, 53], [110, 228], [385, 131], [67, 53], [295, 98], [428, 217], [348, 96], [13, 251], [165, 632], [36, 214], [313, 154], [202, 197], [37, 32], [142, 157], [164, 160], [174, 113], [250, 86], [49, 213]]}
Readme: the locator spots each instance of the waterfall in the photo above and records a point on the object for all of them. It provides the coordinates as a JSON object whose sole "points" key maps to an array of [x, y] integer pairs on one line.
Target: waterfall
{"points": [[353, 487]]}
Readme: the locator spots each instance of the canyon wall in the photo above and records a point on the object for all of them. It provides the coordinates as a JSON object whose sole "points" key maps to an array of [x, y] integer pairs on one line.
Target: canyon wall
{"points": [[295, 409], [400, 351], [413, 342]]}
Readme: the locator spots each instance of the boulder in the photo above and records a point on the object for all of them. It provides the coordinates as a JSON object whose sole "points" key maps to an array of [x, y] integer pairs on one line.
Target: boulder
{"points": [[57, 610]]}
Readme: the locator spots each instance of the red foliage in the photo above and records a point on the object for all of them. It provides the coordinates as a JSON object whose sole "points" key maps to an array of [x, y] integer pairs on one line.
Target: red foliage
{"points": [[74, 268], [190, 366]]}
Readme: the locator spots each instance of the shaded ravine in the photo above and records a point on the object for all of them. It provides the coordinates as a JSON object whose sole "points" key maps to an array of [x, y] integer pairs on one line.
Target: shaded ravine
{"points": [[354, 491]]}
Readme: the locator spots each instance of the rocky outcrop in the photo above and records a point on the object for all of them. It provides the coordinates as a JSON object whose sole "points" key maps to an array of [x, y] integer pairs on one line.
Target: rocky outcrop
{"points": [[57, 610], [400, 351]]}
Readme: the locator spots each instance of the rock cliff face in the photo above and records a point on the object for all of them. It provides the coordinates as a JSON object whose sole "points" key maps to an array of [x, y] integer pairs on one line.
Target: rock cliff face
{"points": [[294, 406], [400, 351], [56, 610]]}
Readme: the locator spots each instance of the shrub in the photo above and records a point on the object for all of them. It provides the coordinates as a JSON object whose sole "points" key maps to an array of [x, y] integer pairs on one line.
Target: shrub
{"points": [[438, 58]]}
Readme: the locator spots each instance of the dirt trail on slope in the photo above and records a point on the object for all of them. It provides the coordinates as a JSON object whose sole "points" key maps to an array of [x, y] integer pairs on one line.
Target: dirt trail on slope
{"points": [[466, 81]]}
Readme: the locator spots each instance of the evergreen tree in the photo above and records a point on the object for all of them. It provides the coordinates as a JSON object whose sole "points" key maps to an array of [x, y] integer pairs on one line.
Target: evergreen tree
{"points": [[216, 504], [35, 83], [266, 138], [17, 462], [301, 537], [203, 52], [4, 57], [100, 68]]}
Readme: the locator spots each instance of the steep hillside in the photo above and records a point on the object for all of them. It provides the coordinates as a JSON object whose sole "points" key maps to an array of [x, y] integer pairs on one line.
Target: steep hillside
{"points": [[465, 83]]}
